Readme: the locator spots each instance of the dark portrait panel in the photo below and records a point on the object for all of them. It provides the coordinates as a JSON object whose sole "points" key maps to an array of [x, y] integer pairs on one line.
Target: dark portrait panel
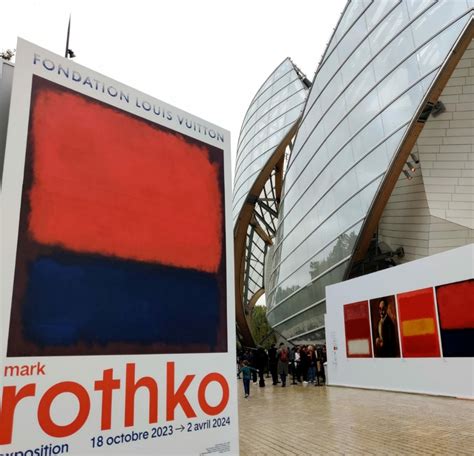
{"points": [[383, 315]]}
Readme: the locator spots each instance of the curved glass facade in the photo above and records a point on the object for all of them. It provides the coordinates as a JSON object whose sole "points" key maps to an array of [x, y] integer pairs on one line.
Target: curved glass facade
{"points": [[271, 115], [266, 131], [370, 84]]}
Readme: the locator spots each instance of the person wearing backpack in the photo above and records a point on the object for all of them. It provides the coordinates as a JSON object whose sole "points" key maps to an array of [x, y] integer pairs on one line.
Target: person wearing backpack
{"points": [[283, 359]]}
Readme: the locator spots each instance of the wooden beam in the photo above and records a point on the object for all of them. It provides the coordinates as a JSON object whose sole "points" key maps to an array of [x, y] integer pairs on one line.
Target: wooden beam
{"points": [[240, 235], [279, 179], [260, 231]]}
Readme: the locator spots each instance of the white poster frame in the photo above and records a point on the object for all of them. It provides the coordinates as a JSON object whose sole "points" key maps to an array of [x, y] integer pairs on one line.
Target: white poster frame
{"points": [[203, 434]]}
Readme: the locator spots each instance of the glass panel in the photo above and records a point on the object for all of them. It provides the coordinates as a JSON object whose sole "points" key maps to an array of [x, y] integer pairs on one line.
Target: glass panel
{"points": [[415, 7], [355, 63], [326, 72], [334, 115], [279, 89], [350, 14], [367, 138], [436, 18], [388, 29], [338, 138], [316, 262], [314, 337], [352, 39], [329, 95], [393, 54], [378, 10], [308, 295], [398, 81], [315, 314], [392, 144], [267, 141], [310, 121], [280, 71], [279, 117], [402, 110], [294, 93], [361, 85], [433, 53], [374, 164], [363, 112], [311, 147], [336, 222]]}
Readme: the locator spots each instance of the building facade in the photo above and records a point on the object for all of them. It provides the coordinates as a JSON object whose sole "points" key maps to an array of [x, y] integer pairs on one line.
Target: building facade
{"points": [[6, 78], [380, 171], [265, 137]]}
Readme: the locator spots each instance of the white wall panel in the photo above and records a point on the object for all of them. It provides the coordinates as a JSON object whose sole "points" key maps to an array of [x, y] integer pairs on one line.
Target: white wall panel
{"points": [[450, 376]]}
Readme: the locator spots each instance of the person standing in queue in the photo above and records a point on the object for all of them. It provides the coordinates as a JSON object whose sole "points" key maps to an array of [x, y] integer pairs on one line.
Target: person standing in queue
{"points": [[272, 363], [261, 360], [283, 360]]}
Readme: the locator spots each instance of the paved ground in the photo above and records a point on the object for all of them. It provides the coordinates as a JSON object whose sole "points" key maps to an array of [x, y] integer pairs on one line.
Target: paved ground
{"points": [[310, 420]]}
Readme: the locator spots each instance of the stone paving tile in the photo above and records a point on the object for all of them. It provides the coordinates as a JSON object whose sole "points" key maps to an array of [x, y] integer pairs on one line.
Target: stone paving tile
{"points": [[306, 421]]}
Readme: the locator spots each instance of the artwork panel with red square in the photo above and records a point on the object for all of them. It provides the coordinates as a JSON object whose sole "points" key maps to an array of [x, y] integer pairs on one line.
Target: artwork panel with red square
{"points": [[357, 328], [456, 318], [418, 326], [121, 239]]}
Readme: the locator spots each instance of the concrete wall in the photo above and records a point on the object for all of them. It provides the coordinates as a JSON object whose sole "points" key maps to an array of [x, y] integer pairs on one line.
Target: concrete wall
{"points": [[434, 211]]}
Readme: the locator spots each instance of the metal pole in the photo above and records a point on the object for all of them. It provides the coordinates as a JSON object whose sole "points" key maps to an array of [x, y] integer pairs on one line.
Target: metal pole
{"points": [[67, 38]]}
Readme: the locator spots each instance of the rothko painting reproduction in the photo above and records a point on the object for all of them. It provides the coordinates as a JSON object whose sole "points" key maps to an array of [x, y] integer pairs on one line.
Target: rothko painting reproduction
{"points": [[456, 318], [121, 246], [357, 329], [418, 326]]}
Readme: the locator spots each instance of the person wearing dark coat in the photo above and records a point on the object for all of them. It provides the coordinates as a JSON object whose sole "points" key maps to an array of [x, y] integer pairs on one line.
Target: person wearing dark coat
{"points": [[273, 363], [283, 361], [253, 363], [320, 366], [304, 363], [261, 360], [311, 360]]}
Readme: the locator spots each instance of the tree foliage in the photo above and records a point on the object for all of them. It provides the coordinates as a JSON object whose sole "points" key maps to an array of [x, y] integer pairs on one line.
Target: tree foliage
{"points": [[260, 327]]}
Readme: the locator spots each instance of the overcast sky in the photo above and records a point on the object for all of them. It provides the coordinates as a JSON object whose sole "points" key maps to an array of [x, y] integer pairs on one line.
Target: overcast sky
{"points": [[208, 57]]}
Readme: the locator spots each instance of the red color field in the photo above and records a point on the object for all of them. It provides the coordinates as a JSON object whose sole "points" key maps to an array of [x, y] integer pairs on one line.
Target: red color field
{"points": [[107, 182], [456, 305], [418, 327]]}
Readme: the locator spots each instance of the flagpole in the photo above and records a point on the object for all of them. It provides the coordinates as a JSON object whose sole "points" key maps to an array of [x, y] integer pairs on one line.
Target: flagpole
{"points": [[67, 38]]}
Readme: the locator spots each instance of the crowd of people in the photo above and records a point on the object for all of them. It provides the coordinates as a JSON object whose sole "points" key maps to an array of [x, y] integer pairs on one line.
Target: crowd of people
{"points": [[302, 364]]}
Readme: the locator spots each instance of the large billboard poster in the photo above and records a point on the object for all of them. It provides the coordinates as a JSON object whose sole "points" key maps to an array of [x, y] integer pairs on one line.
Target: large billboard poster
{"points": [[407, 328], [118, 329]]}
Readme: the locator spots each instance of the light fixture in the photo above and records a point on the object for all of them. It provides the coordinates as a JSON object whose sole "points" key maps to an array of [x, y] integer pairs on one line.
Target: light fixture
{"points": [[411, 166], [407, 174], [414, 158], [438, 108]]}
